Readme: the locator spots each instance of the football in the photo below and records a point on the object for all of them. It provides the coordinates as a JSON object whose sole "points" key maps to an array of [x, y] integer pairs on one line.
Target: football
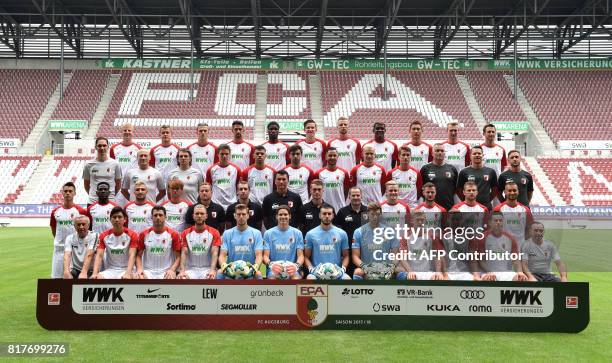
{"points": [[378, 271], [283, 274], [242, 269], [328, 271]]}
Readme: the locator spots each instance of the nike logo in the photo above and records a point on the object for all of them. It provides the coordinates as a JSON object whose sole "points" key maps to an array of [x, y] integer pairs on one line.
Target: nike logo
{"points": [[150, 291]]}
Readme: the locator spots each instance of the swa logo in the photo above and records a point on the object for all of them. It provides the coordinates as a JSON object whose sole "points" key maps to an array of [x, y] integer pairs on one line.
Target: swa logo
{"points": [[97, 294], [520, 297]]}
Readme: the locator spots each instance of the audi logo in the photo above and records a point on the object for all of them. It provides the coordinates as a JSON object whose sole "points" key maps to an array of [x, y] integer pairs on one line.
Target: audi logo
{"points": [[472, 294]]}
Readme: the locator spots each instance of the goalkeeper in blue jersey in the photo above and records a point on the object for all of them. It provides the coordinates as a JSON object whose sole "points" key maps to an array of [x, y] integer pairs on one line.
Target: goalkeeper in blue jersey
{"points": [[241, 249], [327, 249], [370, 249], [284, 248]]}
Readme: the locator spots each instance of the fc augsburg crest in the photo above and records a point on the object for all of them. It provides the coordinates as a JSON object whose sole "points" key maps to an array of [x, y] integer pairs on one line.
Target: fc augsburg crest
{"points": [[311, 304]]}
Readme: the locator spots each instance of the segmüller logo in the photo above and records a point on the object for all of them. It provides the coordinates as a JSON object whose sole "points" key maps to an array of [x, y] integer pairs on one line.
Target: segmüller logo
{"points": [[472, 294]]}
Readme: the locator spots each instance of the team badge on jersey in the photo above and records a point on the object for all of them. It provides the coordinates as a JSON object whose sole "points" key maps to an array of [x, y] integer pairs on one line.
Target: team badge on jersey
{"points": [[311, 304], [214, 214], [448, 174], [290, 204], [485, 177], [523, 180]]}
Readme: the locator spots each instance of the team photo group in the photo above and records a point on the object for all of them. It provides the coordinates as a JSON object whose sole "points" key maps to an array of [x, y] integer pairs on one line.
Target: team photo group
{"points": [[308, 210]]}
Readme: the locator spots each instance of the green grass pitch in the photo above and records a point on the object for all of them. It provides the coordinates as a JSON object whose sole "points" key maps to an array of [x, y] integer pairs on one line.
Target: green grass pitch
{"points": [[26, 256]]}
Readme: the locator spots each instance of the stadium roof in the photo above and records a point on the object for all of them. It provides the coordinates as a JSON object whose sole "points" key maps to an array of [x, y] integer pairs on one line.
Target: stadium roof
{"points": [[306, 28]]}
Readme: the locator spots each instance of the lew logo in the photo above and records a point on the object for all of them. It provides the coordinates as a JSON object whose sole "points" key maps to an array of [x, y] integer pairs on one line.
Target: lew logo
{"points": [[311, 304], [102, 294], [520, 297]]}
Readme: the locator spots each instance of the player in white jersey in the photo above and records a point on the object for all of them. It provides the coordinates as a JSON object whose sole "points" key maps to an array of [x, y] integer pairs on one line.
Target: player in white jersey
{"points": [[139, 210], [475, 214], [395, 212], [159, 249], [79, 250], [99, 212], [434, 212], [101, 169], [117, 248], [259, 176], [421, 152], [62, 225], [494, 156], [423, 248], [408, 178], [458, 264], [349, 149], [336, 181], [200, 248], [241, 152], [223, 176], [277, 152], [517, 217], [188, 175], [203, 151], [457, 153], [385, 151], [176, 206], [163, 155], [313, 149], [300, 175], [156, 188], [125, 154], [369, 177]]}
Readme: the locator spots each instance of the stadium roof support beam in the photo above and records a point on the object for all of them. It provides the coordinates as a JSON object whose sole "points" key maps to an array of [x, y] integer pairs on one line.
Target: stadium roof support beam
{"points": [[538, 8], [132, 31], [573, 41], [256, 11], [11, 33], [458, 6], [567, 28], [391, 10], [321, 28], [192, 24], [74, 29]]}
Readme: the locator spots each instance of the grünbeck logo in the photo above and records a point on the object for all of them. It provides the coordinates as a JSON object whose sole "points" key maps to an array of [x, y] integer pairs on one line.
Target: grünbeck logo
{"points": [[353, 292], [440, 307], [520, 297], [209, 293], [266, 293], [472, 294]]}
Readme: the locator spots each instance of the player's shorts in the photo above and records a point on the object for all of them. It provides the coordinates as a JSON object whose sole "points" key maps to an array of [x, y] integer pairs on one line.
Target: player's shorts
{"points": [[57, 262], [546, 277], [421, 275], [270, 274], [154, 274], [345, 276], [460, 276], [198, 273], [504, 275], [112, 273]]}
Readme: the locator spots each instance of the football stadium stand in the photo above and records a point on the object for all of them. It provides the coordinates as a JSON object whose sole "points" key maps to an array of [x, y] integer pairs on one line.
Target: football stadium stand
{"points": [[495, 97], [15, 171], [288, 96], [82, 95], [63, 169]]}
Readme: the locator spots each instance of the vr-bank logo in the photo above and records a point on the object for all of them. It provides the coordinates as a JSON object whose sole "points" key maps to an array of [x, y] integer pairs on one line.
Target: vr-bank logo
{"points": [[356, 292], [472, 294], [103, 298], [520, 297]]}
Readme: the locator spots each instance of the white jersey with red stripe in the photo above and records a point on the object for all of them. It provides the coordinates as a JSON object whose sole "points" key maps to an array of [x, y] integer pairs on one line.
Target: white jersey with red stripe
{"points": [[116, 249], [370, 179], [241, 153], [384, 153], [152, 178], [261, 182], [457, 154], [335, 183], [299, 180], [396, 214], [409, 182], [494, 157], [276, 154], [420, 154], [126, 156], [163, 158], [434, 215], [516, 219], [199, 246], [224, 180], [313, 153], [419, 245], [203, 157], [497, 245], [349, 152], [158, 248], [100, 216], [62, 224], [475, 215], [176, 213], [139, 216]]}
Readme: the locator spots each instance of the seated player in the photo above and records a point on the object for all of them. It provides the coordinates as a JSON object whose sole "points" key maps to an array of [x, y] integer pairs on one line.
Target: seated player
{"points": [[117, 248], [79, 250], [283, 248], [367, 252], [422, 248], [200, 250], [538, 253], [326, 252], [159, 248], [241, 249], [455, 246]]}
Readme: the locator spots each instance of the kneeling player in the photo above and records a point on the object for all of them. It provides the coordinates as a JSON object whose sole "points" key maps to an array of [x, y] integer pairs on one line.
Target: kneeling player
{"points": [[159, 249], [283, 248], [241, 249], [457, 265], [326, 252], [423, 257], [369, 254], [200, 250], [118, 249]]}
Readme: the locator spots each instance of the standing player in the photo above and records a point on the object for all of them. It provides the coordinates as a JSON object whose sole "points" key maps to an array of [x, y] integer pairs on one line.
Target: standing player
{"points": [[200, 248], [100, 169], [313, 149], [117, 248], [483, 176], [223, 177], [215, 212], [408, 178], [457, 153], [421, 152], [326, 244], [281, 196], [421, 250], [159, 249], [156, 189], [99, 212], [369, 177], [300, 175], [493, 154], [351, 217], [203, 151], [241, 151], [62, 225], [434, 212], [125, 154], [475, 214], [336, 181], [309, 213], [517, 217], [283, 244], [80, 249], [259, 176], [443, 176], [349, 149], [255, 210], [395, 212], [241, 243], [522, 178], [538, 253], [188, 175], [139, 210], [277, 152], [176, 207], [385, 151], [163, 155]]}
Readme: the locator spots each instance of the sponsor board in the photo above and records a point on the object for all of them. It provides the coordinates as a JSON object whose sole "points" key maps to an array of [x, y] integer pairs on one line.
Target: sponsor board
{"points": [[10, 143], [128, 63], [26, 210], [585, 144], [67, 125]]}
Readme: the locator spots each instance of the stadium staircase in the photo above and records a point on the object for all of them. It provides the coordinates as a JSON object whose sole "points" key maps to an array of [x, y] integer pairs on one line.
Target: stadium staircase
{"points": [[105, 100], [37, 181], [543, 182], [261, 97], [33, 142], [471, 101], [315, 103]]}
